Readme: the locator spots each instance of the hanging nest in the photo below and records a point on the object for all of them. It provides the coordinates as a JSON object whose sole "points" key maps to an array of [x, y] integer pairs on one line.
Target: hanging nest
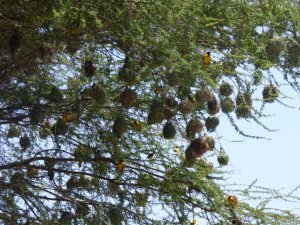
{"points": [[98, 94], [226, 89], [243, 105], [73, 36], [17, 180], [213, 106], [191, 155], [270, 93], [44, 133], [190, 158], [36, 115], [194, 126], [205, 163], [115, 215], [169, 130], [46, 52], [203, 95], [184, 91], [83, 153], [128, 98], [82, 210], [171, 102], [196, 148], [243, 111], [210, 141], [24, 142], [120, 127], [89, 69], [59, 128], [141, 199], [157, 106], [186, 107], [223, 158], [169, 113], [236, 221], [127, 73], [66, 218], [227, 105], [55, 95], [293, 54], [73, 45], [13, 132], [32, 172], [84, 182], [155, 117], [50, 163], [100, 168], [229, 66], [157, 112], [273, 49], [172, 79], [15, 41], [244, 98], [211, 123]]}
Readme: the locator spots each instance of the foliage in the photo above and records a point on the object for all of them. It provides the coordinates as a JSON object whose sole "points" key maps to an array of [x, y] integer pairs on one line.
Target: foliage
{"points": [[89, 89]]}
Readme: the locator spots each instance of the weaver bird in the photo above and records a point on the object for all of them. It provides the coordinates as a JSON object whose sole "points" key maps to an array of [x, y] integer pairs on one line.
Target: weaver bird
{"points": [[151, 155], [193, 222], [70, 117], [158, 90], [137, 125], [232, 200], [120, 166], [176, 150], [206, 58]]}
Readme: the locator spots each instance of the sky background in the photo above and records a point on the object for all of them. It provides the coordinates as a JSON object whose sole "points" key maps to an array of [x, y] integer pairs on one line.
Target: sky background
{"points": [[274, 163]]}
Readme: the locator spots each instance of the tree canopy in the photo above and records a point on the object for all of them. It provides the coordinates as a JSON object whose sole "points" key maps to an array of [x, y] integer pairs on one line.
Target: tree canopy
{"points": [[109, 109]]}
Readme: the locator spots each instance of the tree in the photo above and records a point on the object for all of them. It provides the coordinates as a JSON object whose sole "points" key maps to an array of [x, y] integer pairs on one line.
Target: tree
{"points": [[108, 112]]}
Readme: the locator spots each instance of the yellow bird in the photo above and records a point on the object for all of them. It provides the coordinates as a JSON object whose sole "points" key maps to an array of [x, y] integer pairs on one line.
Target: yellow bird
{"points": [[120, 166], [158, 90], [176, 149], [206, 58], [232, 200], [193, 222], [137, 125], [70, 117]]}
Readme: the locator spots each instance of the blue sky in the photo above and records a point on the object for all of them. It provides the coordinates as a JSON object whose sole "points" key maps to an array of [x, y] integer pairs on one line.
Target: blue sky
{"points": [[274, 163]]}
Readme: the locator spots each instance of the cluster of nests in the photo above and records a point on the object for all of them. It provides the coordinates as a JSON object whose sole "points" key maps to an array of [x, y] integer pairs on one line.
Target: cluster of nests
{"points": [[167, 107], [164, 107]]}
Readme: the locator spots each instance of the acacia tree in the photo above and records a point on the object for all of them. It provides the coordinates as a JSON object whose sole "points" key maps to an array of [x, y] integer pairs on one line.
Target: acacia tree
{"points": [[108, 113]]}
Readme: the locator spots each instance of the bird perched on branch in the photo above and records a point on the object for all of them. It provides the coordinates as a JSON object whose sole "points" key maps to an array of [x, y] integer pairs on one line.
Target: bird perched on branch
{"points": [[70, 117], [120, 166], [206, 58], [193, 222], [232, 200], [151, 155], [137, 125]]}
